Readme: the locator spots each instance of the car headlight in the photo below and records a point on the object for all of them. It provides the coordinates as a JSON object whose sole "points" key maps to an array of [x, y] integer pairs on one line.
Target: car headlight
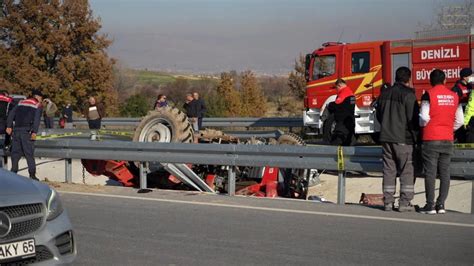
{"points": [[55, 208]]}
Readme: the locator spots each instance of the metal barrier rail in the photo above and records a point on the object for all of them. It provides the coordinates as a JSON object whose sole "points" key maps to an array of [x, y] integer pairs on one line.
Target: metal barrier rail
{"points": [[341, 159], [212, 121], [68, 133]]}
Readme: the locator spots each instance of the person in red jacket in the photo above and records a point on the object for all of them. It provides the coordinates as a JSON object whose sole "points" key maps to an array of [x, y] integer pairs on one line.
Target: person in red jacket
{"points": [[343, 109], [440, 116]]}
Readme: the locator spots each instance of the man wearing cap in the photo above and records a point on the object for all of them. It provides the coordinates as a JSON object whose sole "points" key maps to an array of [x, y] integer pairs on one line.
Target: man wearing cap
{"points": [[343, 109], [463, 89], [23, 124]]}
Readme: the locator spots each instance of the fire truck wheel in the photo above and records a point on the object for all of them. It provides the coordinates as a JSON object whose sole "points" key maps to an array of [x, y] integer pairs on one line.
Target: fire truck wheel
{"points": [[328, 128]]}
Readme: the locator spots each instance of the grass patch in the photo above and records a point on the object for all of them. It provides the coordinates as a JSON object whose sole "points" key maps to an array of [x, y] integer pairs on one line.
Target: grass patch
{"points": [[154, 78]]}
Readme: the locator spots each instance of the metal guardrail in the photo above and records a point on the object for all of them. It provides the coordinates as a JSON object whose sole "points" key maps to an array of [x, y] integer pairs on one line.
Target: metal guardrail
{"points": [[211, 121], [111, 134], [367, 159]]}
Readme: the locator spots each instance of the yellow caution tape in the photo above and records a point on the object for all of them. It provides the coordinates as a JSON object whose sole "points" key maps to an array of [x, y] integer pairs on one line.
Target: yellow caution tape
{"points": [[464, 145], [117, 133], [340, 159], [55, 136]]}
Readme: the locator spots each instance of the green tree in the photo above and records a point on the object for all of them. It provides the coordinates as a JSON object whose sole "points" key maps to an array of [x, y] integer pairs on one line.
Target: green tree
{"points": [[229, 95], [254, 103], [215, 105], [55, 46], [135, 106], [296, 79]]}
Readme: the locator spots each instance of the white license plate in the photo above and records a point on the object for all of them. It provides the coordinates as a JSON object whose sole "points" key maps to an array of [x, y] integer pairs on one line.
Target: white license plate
{"points": [[20, 249]]}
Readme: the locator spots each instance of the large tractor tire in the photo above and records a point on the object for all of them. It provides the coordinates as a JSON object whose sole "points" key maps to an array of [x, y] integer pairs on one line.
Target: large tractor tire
{"points": [[295, 184], [290, 139], [168, 124]]}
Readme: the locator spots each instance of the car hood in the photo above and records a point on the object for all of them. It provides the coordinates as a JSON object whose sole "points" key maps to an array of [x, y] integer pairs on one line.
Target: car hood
{"points": [[13, 184]]}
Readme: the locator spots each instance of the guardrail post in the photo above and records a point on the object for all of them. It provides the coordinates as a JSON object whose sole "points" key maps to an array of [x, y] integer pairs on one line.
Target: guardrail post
{"points": [[231, 181], [68, 163], [143, 184], [341, 188]]}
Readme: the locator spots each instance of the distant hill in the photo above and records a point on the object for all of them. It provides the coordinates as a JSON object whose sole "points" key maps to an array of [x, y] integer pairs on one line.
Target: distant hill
{"points": [[158, 78]]}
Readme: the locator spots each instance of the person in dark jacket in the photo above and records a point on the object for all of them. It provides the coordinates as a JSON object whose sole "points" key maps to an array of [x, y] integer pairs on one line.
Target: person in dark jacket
{"points": [[201, 105], [94, 112], [397, 111], [463, 89], [66, 114], [343, 109], [23, 123], [6, 105], [191, 108]]}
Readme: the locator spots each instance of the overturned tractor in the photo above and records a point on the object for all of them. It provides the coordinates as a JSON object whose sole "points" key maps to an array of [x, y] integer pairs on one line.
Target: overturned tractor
{"points": [[169, 124]]}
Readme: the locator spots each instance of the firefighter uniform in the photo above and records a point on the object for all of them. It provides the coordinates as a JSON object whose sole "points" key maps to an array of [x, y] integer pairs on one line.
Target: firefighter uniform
{"points": [[343, 110], [25, 119]]}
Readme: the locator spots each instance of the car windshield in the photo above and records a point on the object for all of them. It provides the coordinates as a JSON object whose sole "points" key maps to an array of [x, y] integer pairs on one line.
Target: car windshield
{"points": [[324, 66]]}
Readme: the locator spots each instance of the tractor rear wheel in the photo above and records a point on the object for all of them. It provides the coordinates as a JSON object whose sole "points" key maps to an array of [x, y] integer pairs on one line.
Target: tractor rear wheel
{"points": [[168, 124], [295, 184], [290, 139]]}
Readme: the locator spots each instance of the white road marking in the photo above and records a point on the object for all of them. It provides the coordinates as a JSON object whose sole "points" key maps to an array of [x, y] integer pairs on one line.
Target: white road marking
{"points": [[345, 215]]}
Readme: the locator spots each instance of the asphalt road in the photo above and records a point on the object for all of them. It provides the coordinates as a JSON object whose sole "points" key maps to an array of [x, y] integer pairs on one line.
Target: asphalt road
{"points": [[165, 228]]}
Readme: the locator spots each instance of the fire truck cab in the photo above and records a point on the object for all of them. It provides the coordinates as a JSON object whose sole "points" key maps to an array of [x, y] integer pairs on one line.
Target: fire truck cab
{"points": [[368, 66]]}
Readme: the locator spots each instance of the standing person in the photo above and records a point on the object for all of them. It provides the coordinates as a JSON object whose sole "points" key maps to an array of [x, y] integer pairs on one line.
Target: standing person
{"points": [[469, 119], [26, 117], [201, 106], [160, 102], [50, 109], [66, 114], [397, 112], [343, 109], [191, 108], [6, 104], [94, 113], [440, 115], [463, 89]]}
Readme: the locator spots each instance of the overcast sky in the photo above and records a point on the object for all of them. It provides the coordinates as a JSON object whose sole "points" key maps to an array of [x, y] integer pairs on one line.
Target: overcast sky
{"points": [[205, 36]]}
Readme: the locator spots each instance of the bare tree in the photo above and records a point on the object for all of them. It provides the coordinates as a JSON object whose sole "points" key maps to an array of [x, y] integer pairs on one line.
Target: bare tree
{"points": [[452, 16]]}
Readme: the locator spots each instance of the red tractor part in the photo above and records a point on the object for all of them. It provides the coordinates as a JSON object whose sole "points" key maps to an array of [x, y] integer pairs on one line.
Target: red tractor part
{"points": [[266, 188], [210, 178], [116, 170]]}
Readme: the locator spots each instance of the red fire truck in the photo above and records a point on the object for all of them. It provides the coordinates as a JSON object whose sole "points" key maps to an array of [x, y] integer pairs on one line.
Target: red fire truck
{"points": [[367, 66]]}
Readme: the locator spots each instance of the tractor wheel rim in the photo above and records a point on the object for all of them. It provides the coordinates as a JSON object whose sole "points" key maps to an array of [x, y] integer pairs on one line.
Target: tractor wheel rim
{"points": [[156, 131]]}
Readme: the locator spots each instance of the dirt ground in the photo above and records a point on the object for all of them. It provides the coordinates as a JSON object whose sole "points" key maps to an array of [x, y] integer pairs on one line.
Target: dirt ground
{"points": [[459, 198]]}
